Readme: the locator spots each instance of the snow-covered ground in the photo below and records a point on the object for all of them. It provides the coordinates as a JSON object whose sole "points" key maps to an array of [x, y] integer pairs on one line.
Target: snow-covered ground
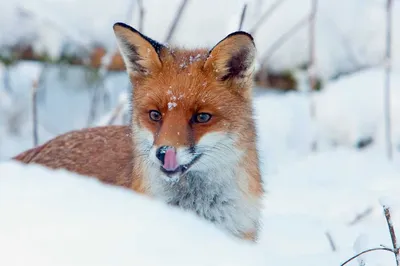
{"points": [[59, 218], [56, 218]]}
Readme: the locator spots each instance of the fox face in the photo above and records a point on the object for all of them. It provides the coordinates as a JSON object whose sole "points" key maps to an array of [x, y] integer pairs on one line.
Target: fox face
{"points": [[191, 108]]}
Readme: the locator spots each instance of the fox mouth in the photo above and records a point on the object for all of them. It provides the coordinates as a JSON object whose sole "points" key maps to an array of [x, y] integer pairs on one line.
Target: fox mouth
{"points": [[182, 169]]}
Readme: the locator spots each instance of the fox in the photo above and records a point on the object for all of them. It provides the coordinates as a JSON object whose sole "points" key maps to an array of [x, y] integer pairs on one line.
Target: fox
{"points": [[191, 139]]}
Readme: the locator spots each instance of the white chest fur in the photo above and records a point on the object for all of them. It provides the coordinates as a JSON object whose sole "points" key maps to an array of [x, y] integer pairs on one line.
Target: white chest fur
{"points": [[223, 203]]}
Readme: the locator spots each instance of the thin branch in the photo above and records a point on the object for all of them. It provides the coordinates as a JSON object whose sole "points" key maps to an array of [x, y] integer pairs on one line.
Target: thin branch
{"points": [[281, 40], [242, 17], [389, 221], [118, 109], [129, 13], [36, 84], [361, 216], [266, 15], [176, 20], [311, 69], [6, 79], [366, 251], [312, 66], [388, 69], [331, 242], [141, 15]]}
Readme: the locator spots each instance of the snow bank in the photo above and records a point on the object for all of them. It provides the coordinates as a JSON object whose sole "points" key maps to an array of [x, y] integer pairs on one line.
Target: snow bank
{"points": [[59, 218], [324, 193], [352, 108], [347, 112]]}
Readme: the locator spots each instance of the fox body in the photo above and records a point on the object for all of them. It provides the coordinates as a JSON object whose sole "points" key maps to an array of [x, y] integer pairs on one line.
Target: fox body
{"points": [[191, 141]]}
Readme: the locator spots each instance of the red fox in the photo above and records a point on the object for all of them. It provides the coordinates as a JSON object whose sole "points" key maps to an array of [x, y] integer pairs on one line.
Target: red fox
{"points": [[192, 140]]}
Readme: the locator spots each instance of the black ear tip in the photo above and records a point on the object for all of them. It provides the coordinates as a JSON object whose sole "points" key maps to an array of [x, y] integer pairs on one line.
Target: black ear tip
{"points": [[126, 26], [241, 33]]}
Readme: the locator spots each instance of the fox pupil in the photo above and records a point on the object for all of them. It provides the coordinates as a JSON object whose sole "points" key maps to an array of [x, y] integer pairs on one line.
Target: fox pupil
{"points": [[155, 115], [202, 118]]}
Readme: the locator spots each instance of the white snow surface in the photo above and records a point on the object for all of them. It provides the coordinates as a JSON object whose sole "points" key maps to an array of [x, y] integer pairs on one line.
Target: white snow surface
{"points": [[55, 217], [58, 218]]}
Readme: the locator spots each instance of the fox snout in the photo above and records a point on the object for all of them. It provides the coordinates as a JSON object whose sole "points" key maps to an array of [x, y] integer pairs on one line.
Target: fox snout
{"points": [[168, 157], [174, 160]]}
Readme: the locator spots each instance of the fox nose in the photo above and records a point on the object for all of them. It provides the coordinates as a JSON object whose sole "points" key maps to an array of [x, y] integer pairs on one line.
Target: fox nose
{"points": [[167, 156], [160, 154]]}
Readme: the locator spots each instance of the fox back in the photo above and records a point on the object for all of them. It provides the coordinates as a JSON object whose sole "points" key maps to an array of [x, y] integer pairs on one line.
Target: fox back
{"points": [[191, 141]]}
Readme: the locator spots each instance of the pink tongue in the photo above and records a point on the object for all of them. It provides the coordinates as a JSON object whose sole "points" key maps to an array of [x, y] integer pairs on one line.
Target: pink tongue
{"points": [[170, 163]]}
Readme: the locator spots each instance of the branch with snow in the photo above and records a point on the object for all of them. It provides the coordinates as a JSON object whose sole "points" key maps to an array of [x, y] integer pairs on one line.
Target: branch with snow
{"points": [[389, 221], [395, 250], [366, 251]]}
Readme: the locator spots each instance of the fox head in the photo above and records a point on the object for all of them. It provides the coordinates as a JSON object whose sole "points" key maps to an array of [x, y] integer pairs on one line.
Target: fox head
{"points": [[192, 109]]}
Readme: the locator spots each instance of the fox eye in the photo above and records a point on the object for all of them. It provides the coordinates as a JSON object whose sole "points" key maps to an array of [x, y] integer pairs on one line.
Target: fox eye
{"points": [[155, 115], [202, 117]]}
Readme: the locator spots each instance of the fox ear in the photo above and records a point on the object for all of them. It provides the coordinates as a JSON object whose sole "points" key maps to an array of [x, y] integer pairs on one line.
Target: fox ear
{"points": [[232, 59], [139, 52]]}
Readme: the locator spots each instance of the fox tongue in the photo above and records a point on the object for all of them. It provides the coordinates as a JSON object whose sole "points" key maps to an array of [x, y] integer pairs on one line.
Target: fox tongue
{"points": [[170, 162]]}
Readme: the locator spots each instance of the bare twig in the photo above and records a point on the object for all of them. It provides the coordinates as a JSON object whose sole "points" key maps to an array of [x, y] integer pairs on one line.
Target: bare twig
{"points": [[389, 221], [281, 40], [312, 65], [118, 109], [395, 250], [36, 84], [311, 69], [242, 16], [388, 68], [141, 15], [358, 248], [361, 216], [365, 251], [6, 79], [331, 242], [265, 16], [176, 20]]}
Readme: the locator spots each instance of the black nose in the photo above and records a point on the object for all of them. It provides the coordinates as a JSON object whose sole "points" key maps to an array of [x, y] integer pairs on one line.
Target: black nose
{"points": [[160, 153]]}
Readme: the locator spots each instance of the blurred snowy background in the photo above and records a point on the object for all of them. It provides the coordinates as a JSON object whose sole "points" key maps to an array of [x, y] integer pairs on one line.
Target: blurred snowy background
{"points": [[320, 106]]}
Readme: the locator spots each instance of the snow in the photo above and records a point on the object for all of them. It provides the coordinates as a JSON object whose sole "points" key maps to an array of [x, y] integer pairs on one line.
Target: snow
{"points": [[54, 217], [59, 218], [309, 194], [343, 43]]}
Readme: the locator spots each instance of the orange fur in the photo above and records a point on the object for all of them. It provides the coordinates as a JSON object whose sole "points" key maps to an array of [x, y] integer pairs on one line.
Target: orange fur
{"points": [[178, 83]]}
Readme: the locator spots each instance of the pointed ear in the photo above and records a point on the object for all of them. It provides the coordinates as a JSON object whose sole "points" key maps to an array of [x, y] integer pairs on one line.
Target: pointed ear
{"points": [[232, 59], [140, 53]]}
